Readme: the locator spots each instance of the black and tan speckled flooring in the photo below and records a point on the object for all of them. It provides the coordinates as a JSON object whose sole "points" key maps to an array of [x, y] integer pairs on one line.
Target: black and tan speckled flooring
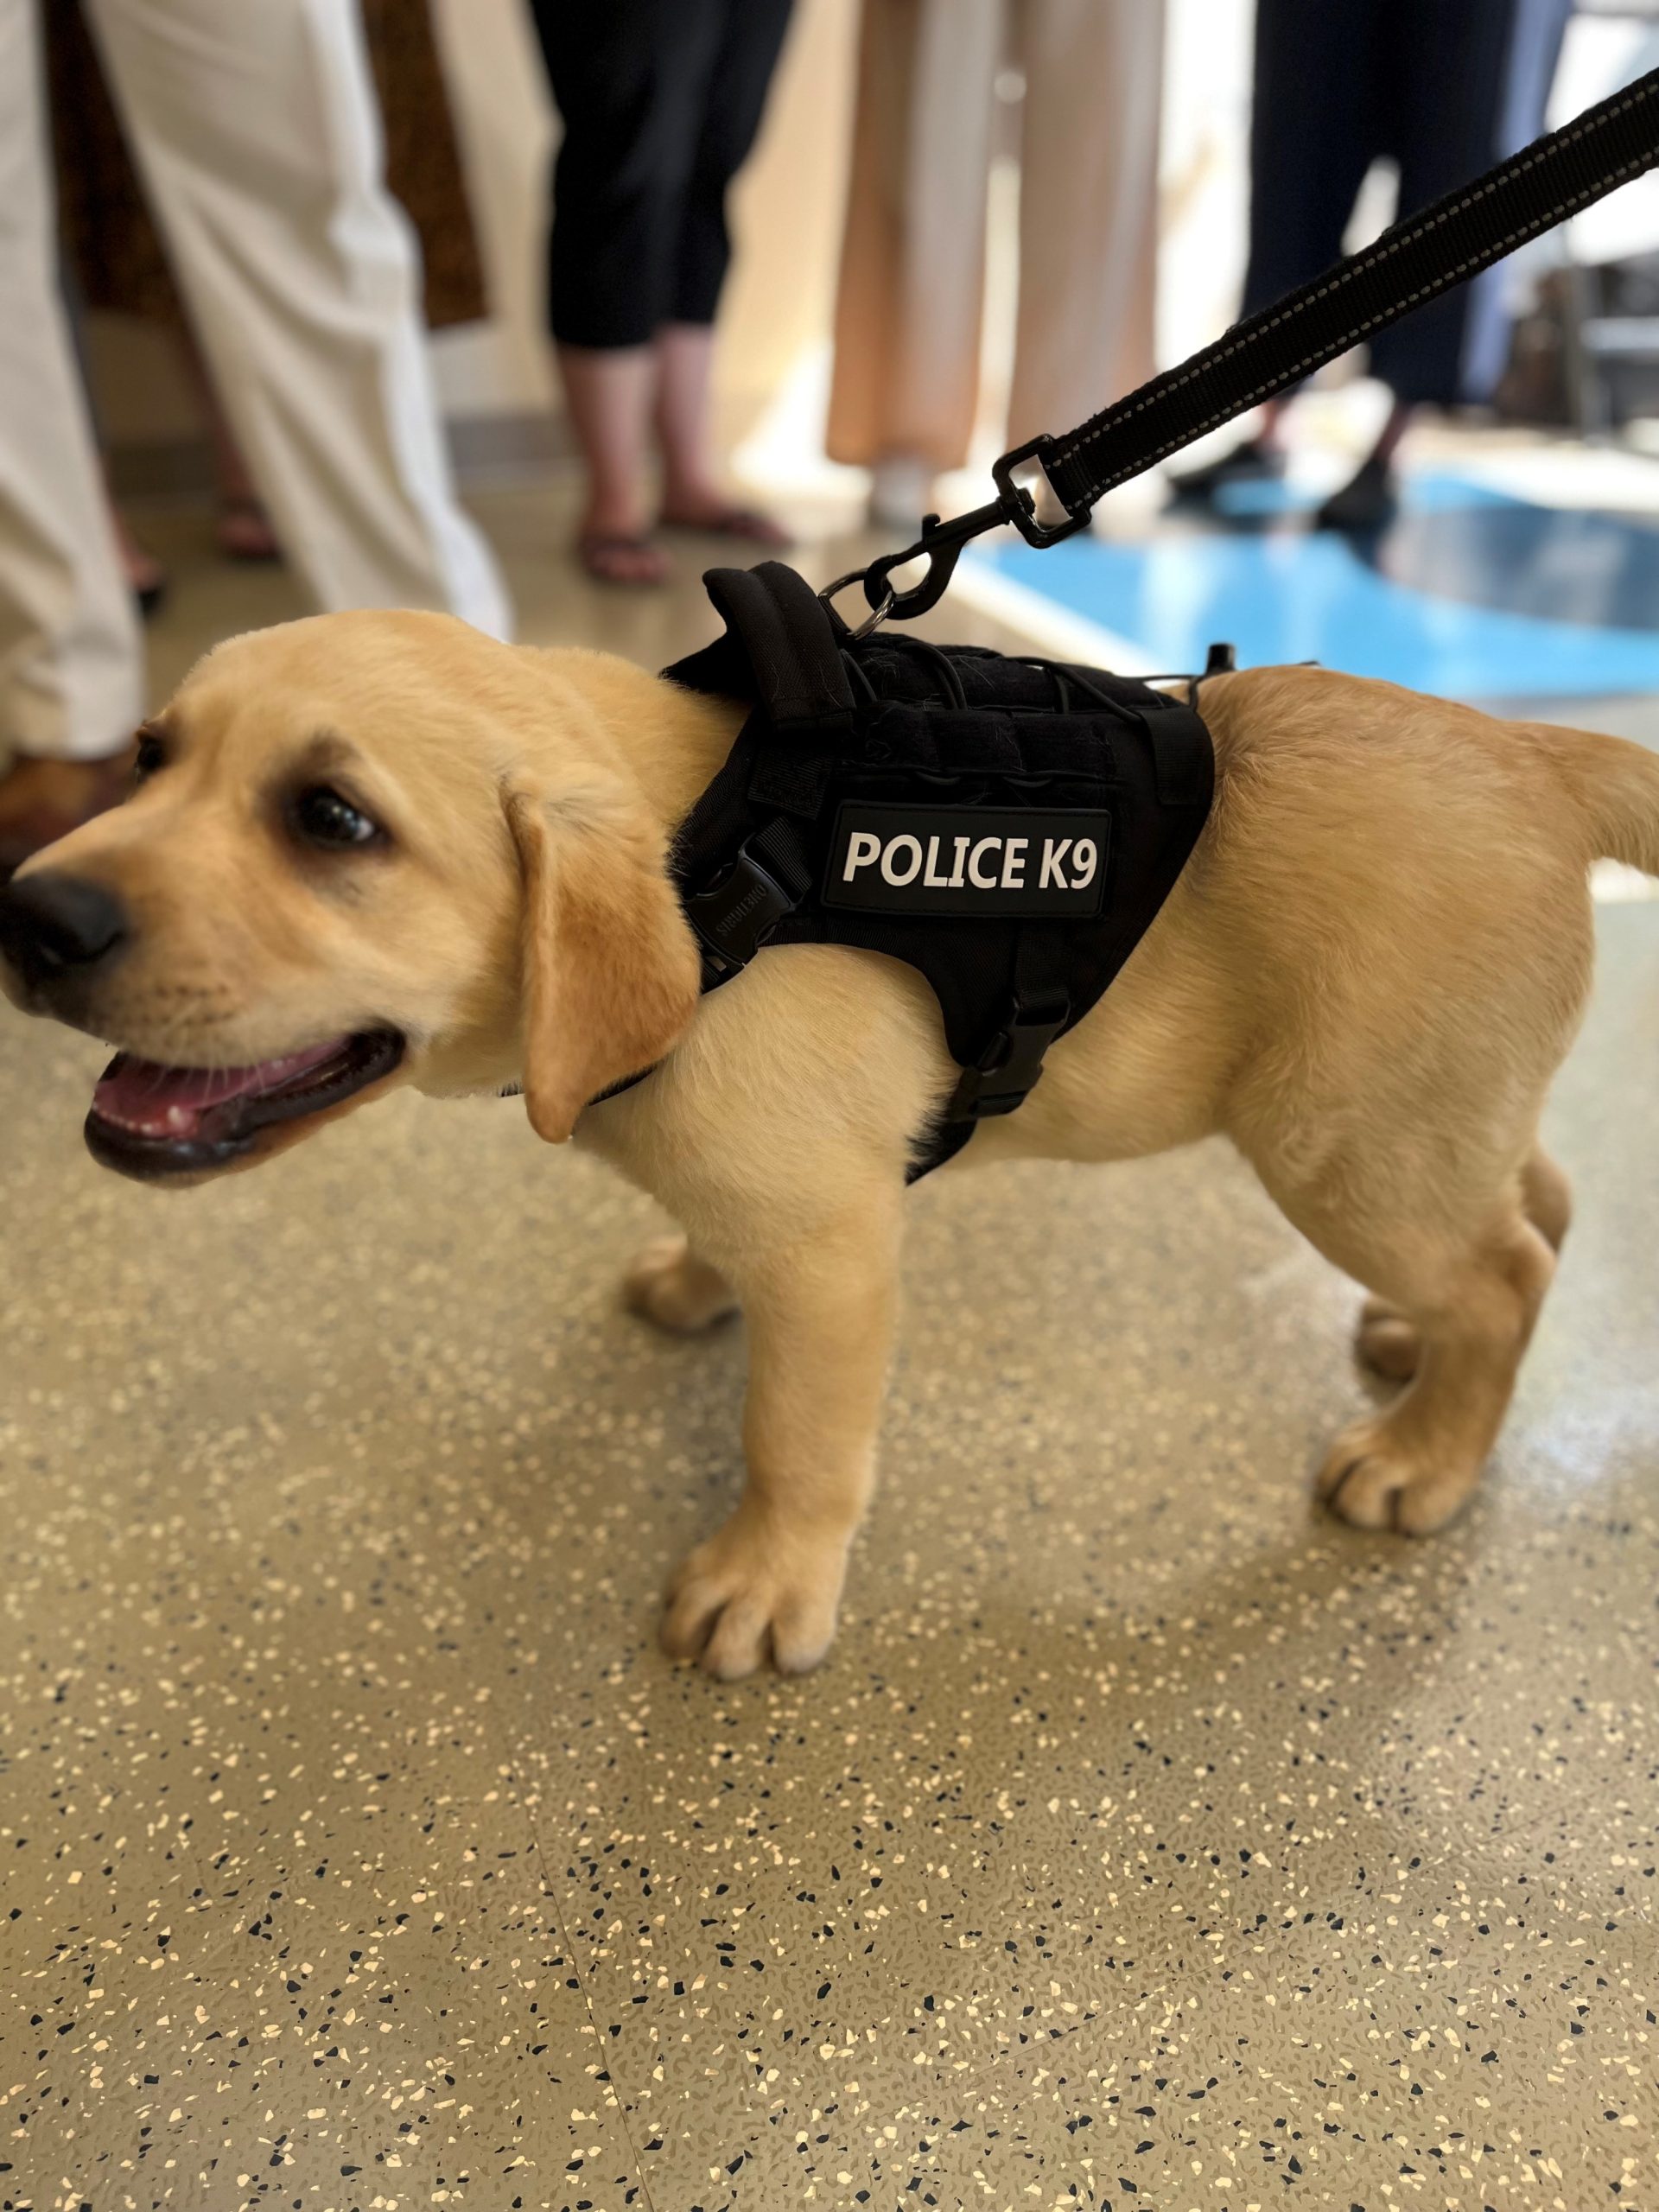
{"points": [[1150, 1841]]}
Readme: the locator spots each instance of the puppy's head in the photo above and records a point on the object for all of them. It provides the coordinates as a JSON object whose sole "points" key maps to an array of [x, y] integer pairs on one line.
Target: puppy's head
{"points": [[362, 849]]}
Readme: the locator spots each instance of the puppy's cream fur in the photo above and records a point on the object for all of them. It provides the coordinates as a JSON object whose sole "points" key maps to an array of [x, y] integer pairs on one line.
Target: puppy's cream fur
{"points": [[1374, 962]]}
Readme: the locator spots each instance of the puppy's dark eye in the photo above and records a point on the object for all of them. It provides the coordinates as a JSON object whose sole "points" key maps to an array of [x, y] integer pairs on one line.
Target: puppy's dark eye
{"points": [[149, 756], [323, 817]]}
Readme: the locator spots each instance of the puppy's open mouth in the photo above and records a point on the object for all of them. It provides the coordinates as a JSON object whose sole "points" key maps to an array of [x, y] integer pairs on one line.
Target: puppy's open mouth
{"points": [[151, 1120]]}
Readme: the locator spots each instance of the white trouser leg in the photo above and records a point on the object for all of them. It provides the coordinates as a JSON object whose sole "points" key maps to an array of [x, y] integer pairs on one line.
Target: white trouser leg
{"points": [[255, 127], [71, 669]]}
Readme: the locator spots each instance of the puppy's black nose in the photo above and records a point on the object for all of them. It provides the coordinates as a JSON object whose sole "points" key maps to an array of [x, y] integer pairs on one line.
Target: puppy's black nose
{"points": [[53, 924]]}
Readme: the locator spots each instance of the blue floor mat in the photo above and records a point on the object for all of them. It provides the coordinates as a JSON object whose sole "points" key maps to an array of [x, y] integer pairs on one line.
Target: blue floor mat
{"points": [[1469, 594]]}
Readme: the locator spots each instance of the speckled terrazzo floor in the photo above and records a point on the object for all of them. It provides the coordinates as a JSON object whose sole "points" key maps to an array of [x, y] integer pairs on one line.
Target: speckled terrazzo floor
{"points": [[1148, 1841]]}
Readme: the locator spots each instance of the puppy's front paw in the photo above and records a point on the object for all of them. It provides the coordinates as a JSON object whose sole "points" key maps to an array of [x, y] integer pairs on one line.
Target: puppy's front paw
{"points": [[671, 1286], [749, 1594], [1374, 1478]]}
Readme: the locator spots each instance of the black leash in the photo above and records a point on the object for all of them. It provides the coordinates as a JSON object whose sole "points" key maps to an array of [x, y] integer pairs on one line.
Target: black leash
{"points": [[1421, 257]]}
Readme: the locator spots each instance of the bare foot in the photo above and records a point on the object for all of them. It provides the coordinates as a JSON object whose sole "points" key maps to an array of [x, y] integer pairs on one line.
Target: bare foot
{"points": [[716, 516], [615, 559]]}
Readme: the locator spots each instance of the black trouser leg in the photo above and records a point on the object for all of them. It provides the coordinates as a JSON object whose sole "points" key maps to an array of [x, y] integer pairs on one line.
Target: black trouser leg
{"points": [[1339, 83], [659, 100], [742, 74], [1448, 94], [1316, 127]]}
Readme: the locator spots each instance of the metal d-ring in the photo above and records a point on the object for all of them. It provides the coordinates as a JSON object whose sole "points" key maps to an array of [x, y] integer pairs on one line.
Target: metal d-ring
{"points": [[873, 621]]}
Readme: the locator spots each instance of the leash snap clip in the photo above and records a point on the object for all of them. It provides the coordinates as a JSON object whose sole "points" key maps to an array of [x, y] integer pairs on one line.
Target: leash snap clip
{"points": [[940, 545]]}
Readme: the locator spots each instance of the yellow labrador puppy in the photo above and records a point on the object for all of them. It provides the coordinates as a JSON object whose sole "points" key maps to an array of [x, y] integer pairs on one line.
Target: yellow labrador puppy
{"points": [[376, 848]]}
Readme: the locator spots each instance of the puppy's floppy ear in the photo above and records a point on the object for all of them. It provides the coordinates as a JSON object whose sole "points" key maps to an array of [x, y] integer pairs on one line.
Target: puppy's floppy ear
{"points": [[610, 972]]}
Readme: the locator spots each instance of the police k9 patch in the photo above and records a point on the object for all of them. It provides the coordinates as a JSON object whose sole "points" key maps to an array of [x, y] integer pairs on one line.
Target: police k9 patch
{"points": [[901, 859]]}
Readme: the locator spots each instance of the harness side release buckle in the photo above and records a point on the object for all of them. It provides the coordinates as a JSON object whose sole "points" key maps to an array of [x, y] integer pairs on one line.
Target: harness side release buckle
{"points": [[735, 919], [1008, 1069]]}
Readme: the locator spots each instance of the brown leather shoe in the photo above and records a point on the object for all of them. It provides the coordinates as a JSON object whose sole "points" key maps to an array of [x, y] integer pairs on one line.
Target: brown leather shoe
{"points": [[43, 800]]}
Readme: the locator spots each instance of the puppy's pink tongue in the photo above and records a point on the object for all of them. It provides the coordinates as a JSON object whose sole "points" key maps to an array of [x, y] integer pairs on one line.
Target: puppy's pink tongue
{"points": [[158, 1102]]}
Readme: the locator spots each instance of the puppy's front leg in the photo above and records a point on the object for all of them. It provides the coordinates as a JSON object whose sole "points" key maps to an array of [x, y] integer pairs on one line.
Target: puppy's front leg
{"points": [[820, 1318]]}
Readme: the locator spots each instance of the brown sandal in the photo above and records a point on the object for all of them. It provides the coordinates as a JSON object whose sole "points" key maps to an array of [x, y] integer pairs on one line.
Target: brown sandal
{"points": [[604, 553]]}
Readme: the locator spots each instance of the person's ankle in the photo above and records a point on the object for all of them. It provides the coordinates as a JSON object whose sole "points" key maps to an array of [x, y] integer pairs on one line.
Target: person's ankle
{"points": [[692, 495], [614, 516]]}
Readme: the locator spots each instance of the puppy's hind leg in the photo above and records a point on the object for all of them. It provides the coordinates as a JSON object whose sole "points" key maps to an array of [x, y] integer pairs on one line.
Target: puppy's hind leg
{"points": [[1546, 1194], [1387, 1341], [671, 1286], [1470, 1285]]}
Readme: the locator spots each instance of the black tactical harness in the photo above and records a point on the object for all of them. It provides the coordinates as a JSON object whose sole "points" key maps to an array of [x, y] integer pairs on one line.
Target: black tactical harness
{"points": [[1009, 828]]}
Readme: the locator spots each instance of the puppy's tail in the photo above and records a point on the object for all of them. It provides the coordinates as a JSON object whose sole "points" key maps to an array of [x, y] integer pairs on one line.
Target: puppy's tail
{"points": [[1617, 786]]}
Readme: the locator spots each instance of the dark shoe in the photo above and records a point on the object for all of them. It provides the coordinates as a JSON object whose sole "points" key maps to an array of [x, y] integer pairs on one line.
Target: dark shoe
{"points": [[43, 800], [1369, 502], [1253, 462]]}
